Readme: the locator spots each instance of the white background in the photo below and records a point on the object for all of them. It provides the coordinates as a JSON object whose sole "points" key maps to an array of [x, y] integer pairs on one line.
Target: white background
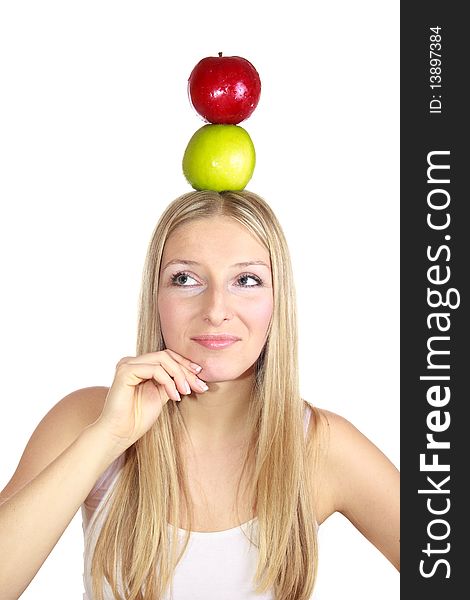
{"points": [[94, 120]]}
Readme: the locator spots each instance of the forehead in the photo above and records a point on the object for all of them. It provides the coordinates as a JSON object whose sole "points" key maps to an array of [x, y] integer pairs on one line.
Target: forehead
{"points": [[215, 238]]}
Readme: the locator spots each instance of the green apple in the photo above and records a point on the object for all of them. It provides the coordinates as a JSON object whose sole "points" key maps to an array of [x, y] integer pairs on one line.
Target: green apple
{"points": [[219, 158]]}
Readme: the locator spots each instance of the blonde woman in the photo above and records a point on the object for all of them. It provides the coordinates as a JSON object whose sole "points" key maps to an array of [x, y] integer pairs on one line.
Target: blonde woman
{"points": [[200, 472]]}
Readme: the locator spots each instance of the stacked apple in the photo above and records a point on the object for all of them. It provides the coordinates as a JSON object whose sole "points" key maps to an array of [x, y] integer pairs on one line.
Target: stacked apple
{"points": [[224, 91]]}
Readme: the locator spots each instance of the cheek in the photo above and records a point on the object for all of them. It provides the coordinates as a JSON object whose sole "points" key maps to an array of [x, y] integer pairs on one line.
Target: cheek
{"points": [[260, 315], [171, 317]]}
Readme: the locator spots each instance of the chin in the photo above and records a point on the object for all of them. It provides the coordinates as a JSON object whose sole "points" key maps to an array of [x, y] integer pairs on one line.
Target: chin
{"points": [[213, 373], [219, 375]]}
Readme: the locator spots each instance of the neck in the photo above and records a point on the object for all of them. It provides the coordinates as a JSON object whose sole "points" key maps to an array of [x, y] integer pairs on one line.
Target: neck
{"points": [[217, 418]]}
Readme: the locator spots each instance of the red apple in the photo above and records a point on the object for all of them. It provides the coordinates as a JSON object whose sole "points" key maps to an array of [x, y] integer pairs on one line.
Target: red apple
{"points": [[224, 89]]}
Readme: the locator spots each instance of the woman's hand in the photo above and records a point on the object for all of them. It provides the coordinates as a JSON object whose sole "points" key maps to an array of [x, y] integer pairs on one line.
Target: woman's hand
{"points": [[142, 385]]}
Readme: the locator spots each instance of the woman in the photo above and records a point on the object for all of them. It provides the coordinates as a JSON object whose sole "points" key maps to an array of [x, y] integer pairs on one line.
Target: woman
{"points": [[203, 430]]}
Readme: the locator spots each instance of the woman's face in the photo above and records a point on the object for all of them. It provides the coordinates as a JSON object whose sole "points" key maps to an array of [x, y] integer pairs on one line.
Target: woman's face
{"points": [[215, 297]]}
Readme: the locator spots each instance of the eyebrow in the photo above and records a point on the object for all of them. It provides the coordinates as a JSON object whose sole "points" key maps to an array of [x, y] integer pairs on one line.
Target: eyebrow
{"points": [[181, 261]]}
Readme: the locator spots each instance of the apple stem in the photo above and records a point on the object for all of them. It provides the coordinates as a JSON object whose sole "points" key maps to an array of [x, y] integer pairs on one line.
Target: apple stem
{"points": [[220, 54]]}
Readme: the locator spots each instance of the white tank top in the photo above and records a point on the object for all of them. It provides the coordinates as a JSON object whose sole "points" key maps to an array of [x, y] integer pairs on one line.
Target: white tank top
{"points": [[216, 565]]}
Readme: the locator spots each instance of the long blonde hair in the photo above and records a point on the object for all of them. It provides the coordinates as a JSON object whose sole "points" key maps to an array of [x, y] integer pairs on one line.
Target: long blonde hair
{"points": [[134, 551]]}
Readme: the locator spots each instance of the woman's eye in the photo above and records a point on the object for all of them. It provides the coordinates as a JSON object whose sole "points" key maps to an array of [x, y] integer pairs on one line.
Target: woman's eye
{"points": [[181, 279], [247, 280]]}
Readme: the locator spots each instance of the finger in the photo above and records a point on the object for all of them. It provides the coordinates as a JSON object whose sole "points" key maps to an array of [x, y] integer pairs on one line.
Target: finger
{"points": [[176, 371], [185, 379], [132, 374], [193, 367], [162, 378], [157, 357], [124, 360]]}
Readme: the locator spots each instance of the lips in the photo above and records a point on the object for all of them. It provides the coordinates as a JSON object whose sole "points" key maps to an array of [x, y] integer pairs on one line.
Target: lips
{"points": [[216, 341]]}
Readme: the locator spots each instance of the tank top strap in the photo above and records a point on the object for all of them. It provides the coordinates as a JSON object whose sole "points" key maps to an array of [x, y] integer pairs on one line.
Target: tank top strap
{"points": [[307, 414]]}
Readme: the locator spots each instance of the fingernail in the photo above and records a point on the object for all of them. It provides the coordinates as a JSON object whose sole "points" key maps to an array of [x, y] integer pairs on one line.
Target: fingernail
{"points": [[178, 397], [202, 385], [187, 386], [196, 367]]}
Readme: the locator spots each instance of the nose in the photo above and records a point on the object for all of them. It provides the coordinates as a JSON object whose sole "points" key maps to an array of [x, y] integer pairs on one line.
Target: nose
{"points": [[217, 306]]}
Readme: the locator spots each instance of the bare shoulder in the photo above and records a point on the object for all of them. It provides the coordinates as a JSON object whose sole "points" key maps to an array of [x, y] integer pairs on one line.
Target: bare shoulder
{"points": [[343, 436], [358, 481], [331, 433], [348, 458], [68, 417], [339, 436], [78, 409], [55, 432]]}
